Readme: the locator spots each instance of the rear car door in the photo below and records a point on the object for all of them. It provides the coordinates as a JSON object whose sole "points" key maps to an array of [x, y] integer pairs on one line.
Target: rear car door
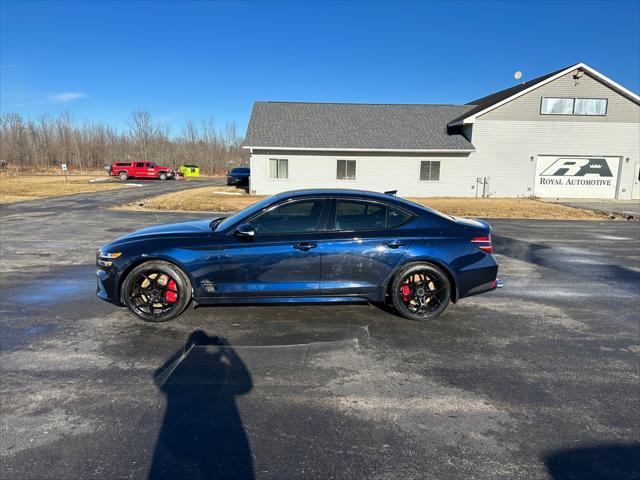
{"points": [[283, 258], [140, 169], [365, 240]]}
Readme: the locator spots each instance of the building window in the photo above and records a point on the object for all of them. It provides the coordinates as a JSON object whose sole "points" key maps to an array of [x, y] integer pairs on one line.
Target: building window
{"points": [[573, 106], [590, 106], [278, 168], [557, 106], [346, 170], [430, 171]]}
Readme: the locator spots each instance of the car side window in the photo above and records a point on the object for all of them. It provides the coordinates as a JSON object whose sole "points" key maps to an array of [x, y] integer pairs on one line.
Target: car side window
{"points": [[397, 217], [295, 217], [358, 215], [139, 165]]}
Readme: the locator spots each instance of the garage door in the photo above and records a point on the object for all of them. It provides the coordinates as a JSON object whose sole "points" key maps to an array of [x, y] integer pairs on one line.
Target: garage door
{"points": [[576, 177]]}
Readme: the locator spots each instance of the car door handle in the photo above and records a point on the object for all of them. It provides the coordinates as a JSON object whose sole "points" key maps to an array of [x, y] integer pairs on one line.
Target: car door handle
{"points": [[395, 243], [305, 246]]}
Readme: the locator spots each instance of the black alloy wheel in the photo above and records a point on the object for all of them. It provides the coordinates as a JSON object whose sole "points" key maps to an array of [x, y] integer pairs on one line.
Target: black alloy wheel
{"points": [[156, 291], [421, 291]]}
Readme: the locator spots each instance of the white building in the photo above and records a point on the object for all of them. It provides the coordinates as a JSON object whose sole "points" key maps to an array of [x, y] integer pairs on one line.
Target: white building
{"points": [[573, 133]]}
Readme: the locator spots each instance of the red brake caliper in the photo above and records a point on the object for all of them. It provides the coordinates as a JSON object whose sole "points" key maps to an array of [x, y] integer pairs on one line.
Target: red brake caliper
{"points": [[171, 295], [405, 291]]}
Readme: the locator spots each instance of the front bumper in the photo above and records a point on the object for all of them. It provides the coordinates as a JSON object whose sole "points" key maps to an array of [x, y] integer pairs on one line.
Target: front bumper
{"points": [[107, 285], [101, 291]]}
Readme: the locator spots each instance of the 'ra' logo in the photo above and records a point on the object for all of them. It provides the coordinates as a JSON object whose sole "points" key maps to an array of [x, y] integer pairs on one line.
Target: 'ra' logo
{"points": [[578, 167]]}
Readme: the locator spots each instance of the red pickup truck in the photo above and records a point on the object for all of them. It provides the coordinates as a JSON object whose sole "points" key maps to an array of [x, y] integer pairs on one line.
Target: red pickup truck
{"points": [[124, 170]]}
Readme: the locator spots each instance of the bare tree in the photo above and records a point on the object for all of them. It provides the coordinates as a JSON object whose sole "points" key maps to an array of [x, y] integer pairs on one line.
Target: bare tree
{"points": [[47, 142]]}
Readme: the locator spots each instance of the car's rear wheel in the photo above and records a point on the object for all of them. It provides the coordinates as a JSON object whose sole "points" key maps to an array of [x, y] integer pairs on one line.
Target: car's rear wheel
{"points": [[123, 175], [163, 176], [421, 291], [156, 291]]}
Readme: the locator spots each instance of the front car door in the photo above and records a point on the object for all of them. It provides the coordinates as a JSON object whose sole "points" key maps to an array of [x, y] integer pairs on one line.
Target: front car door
{"points": [[283, 258], [151, 170], [364, 241]]}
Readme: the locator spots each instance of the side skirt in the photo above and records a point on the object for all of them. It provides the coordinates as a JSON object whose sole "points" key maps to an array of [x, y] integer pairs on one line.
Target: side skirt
{"points": [[276, 300]]}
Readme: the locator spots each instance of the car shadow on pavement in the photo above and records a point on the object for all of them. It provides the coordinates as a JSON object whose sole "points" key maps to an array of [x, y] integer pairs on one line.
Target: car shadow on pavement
{"points": [[202, 435], [601, 462]]}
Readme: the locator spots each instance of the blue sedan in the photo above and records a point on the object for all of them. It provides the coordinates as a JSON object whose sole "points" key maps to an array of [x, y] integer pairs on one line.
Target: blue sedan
{"points": [[306, 246]]}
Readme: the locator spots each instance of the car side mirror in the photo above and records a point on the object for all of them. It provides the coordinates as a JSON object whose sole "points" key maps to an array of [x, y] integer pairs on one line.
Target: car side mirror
{"points": [[245, 231]]}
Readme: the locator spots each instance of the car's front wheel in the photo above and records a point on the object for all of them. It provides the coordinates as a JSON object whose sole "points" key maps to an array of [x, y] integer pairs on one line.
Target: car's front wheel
{"points": [[163, 176], [421, 291], [156, 291], [123, 176]]}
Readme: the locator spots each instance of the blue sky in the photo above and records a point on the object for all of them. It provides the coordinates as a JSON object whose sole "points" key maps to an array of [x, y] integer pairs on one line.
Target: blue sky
{"points": [[195, 60]]}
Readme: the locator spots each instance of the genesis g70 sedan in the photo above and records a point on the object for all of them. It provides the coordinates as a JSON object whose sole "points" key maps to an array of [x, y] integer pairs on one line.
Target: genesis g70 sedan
{"points": [[306, 246]]}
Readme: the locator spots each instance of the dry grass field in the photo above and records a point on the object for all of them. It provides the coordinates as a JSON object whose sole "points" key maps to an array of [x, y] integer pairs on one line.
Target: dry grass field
{"points": [[226, 199], [16, 188]]}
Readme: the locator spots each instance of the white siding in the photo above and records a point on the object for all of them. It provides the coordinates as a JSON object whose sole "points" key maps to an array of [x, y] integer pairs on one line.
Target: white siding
{"points": [[378, 173], [504, 150], [503, 153]]}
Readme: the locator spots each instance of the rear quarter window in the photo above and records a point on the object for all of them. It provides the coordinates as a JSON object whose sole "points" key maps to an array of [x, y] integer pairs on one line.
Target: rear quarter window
{"points": [[397, 217]]}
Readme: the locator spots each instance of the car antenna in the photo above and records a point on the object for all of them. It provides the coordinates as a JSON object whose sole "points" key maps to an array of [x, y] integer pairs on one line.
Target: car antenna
{"points": [[391, 192]]}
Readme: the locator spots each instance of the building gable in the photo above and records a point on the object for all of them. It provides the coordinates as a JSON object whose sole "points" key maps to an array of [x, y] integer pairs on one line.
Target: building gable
{"points": [[574, 84]]}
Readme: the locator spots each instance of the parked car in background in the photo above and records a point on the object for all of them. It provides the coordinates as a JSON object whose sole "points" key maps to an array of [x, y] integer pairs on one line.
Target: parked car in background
{"points": [[306, 246], [238, 176], [124, 170]]}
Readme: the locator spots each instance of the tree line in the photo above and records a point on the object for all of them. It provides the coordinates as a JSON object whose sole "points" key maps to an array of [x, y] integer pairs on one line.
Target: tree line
{"points": [[46, 143]]}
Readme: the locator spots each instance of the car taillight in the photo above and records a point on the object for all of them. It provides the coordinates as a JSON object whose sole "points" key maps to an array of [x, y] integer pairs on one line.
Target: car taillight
{"points": [[483, 243]]}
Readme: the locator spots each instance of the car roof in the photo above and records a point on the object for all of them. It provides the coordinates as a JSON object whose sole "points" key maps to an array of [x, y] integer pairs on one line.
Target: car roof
{"points": [[335, 192], [353, 193]]}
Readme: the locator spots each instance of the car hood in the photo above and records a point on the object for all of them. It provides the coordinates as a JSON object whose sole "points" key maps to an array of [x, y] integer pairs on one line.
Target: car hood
{"points": [[170, 229]]}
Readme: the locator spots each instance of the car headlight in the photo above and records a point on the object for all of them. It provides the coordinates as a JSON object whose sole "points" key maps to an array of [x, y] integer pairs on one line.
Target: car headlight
{"points": [[109, 254]]}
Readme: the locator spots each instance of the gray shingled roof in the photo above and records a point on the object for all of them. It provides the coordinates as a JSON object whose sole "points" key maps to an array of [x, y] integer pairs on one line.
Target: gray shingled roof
{"points": [[355, 126]]}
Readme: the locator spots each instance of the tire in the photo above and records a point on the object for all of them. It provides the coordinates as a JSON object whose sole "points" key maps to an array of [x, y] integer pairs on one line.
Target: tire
{"points": [[145, 295], [420, 291], [123, 176], [162, 176]]}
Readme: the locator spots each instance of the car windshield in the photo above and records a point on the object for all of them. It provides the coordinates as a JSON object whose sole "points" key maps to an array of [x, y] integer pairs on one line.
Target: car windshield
{"points": [[247, 212], [240, 170]]}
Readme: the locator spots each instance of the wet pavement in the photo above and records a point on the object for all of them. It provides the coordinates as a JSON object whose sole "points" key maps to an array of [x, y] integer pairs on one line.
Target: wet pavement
{"points": [[537, 380]]}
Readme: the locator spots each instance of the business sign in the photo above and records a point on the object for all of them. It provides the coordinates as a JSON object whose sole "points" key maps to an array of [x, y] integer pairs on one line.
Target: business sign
{"points": [[576, 177]]}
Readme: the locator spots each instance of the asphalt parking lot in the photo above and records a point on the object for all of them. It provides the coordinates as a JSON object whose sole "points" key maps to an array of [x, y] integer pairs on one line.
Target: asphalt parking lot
{"points": [[537, 380]]}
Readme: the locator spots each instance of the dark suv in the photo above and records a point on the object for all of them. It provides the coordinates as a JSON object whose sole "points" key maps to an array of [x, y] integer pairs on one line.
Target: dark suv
{"points": [[238, 176]]}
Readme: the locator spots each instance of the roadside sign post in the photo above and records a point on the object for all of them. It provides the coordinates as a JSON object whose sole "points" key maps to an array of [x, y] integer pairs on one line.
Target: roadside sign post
{"points": [[64, 169]]}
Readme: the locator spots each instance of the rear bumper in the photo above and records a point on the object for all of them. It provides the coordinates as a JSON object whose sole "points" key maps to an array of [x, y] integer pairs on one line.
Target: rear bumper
{"points": [[485, 287]]}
